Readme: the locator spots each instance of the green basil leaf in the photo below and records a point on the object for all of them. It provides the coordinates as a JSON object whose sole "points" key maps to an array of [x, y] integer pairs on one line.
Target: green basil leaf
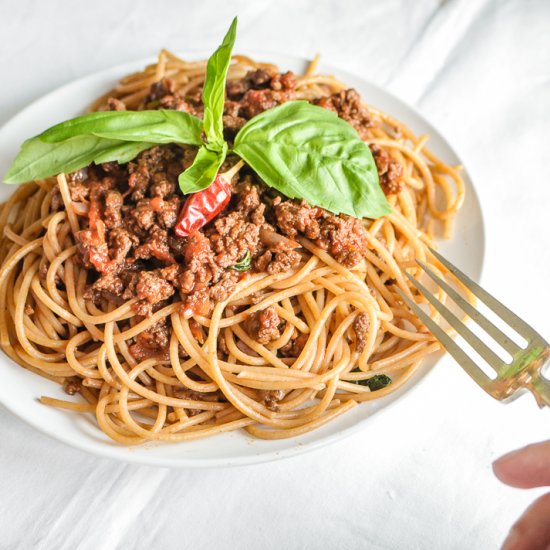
{"points": [[307, 152], [378, 381], [213, 94], [203, 170], [122, 153], [38, 159], [375, 383], [163, 126]]}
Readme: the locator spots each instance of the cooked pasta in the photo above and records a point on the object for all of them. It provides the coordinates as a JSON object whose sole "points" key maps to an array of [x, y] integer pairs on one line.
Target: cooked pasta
{"points": [[282, 348]]}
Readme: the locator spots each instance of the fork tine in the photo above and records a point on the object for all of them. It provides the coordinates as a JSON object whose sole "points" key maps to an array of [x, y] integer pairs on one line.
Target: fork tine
{"points": [[487, 353], [449, 344], [520, 326], [499, 336]]}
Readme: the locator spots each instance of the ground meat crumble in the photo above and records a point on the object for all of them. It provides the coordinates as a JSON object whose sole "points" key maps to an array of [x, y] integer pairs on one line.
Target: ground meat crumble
{"points": [[263, 326], [390, 171], [347, 105]]}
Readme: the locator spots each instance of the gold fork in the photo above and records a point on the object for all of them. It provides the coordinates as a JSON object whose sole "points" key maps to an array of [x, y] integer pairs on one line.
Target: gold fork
{"points": [[525, 369]]}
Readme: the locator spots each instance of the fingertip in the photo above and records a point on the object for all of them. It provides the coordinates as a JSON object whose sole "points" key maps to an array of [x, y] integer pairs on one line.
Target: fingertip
{"points": [[512, 540], [496, 465], [525, 468], [532, 530], [507, 468]]}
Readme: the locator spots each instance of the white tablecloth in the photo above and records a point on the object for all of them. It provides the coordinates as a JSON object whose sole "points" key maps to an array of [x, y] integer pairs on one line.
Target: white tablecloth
{"points": [[480, 70]]}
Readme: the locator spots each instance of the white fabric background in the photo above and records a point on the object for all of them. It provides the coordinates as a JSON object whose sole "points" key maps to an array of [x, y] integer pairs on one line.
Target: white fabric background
{"points": [[480, 70]]}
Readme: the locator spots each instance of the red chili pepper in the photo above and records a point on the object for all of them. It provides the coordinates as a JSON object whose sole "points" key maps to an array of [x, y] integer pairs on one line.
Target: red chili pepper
{"points": [[203, 206]]}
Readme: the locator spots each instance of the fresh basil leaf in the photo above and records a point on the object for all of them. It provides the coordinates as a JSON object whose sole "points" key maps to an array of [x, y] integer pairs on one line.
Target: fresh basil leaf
{"points": [[307, 152], [163, 126], [213, 94], [38, 159], [203, 170], [376, 382], [244, 264], [122, 153]]}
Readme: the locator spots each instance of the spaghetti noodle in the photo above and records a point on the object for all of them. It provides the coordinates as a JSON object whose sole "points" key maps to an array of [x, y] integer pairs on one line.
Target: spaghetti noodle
{"points": [[214, 375]]}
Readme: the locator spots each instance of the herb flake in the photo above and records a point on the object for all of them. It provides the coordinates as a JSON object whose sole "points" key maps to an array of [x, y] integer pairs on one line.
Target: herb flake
{"points": [[244, 264], [376, 382]]}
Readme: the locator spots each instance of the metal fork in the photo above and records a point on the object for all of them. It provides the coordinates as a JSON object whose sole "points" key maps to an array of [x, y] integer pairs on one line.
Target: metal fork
{"points": [[525, 369]]}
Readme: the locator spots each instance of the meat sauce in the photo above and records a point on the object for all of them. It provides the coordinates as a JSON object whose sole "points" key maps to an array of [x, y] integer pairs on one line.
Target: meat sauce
{"points": [[133, 253]]}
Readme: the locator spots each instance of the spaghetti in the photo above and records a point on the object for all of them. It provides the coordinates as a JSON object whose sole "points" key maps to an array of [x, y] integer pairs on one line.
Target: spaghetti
{"points": [[214, 376]]}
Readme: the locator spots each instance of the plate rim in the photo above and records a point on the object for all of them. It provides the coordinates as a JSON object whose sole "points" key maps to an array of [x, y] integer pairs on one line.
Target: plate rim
{"points": [[98, 448]]}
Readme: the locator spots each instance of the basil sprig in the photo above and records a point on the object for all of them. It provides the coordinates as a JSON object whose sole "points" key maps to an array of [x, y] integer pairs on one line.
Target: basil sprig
{"points": [[163, 126], [303, 151], [213, 95], [100, 137], [203, 170], [211, 154], [309, 153]]}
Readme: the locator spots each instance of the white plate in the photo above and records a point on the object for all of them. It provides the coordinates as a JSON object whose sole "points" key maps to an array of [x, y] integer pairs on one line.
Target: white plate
{"points": [[20, 389]]}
